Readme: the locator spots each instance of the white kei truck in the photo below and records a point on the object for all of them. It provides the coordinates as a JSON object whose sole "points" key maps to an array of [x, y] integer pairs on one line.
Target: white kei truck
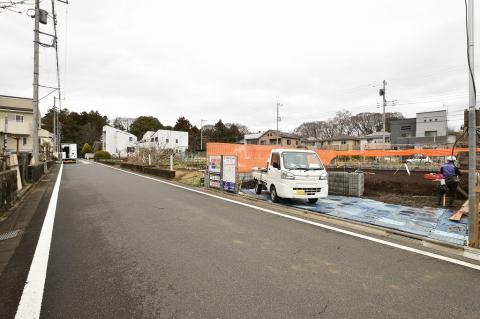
{"points": [[69, 153], [292, 173]]}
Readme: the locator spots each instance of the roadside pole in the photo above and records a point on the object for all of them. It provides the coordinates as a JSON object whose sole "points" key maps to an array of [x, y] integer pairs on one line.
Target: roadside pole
{"points": [[473, 233], [383, 93], [35, 82]]}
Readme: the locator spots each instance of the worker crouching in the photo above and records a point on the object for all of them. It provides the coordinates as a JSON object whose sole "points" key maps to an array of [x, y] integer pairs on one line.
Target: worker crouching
{"points": [[451, 175]]}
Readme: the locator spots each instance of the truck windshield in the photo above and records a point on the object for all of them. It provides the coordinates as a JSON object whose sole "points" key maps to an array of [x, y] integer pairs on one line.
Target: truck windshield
{"points": [[301, 160]]}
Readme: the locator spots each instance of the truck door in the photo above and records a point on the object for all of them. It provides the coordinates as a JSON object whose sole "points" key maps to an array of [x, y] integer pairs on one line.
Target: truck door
{"points": [[274, 169]]}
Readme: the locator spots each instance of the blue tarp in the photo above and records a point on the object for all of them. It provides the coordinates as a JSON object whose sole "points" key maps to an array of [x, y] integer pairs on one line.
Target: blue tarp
{"points": [[426, 222]]}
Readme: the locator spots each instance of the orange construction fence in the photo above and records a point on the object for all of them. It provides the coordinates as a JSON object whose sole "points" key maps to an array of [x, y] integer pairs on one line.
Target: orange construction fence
{"points": [[250, 155]]}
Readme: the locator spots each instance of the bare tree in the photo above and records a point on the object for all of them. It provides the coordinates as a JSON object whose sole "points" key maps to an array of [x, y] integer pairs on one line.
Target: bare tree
{"points": [[345, 123]]}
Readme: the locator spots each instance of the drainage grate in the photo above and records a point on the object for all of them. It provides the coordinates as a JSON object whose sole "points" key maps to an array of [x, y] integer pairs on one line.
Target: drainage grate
{"points": [[11, 234]]}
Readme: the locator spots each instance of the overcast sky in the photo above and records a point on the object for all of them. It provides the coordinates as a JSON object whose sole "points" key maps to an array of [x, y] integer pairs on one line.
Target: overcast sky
{"points": [[235, 60]]}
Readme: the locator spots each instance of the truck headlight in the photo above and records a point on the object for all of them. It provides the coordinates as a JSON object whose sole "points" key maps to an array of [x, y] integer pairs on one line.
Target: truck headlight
{"points": [[287, 175], [324, 176]]}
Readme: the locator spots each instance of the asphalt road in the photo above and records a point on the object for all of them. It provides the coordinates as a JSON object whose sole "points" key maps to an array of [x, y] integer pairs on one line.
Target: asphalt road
{"points": [[128, 247]]}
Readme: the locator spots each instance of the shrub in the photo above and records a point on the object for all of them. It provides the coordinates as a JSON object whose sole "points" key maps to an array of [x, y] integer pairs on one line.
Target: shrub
{"points": [[102, 155], [86, 148]]}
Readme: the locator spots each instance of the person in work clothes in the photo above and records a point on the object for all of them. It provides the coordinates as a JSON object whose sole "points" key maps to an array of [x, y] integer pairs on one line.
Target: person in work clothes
{"points": [[451, 175]]}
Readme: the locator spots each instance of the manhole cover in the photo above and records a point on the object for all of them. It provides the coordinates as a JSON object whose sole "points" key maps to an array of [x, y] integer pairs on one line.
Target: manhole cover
{"points": [[9, 235]]}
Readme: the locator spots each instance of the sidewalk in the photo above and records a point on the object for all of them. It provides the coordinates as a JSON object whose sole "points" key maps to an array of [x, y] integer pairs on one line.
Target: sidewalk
{"points": [[426, 222]]}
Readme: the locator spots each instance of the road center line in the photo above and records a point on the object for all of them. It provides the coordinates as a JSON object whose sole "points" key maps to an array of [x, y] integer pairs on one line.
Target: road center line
{"points": [[306, 221], [31, 301]]}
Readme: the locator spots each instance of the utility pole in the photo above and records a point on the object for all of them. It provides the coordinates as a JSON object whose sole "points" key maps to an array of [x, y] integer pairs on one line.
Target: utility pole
{"points": [[278, 119], [57, 135], [472, 136], [36, 48], [55, 124], [201, 133], [383, 93]]}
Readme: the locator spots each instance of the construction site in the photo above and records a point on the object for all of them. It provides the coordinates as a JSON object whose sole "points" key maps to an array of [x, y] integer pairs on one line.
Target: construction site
{"points": [[380, 188]]}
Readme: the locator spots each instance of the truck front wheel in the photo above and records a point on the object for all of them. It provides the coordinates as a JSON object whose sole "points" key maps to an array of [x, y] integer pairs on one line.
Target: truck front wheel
{"points": [[274, 195], [313, 200], [258, 188]]}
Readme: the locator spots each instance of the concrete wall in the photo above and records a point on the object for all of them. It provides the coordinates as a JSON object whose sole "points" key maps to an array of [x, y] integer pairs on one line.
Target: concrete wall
{"points": [[431, 122], [116, 141], [403, 131]]}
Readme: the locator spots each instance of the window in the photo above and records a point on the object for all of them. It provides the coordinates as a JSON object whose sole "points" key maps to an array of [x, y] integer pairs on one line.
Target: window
{"points": [[296, 142], [301, 160], [406, 127], [430, 133], [24, 141], [130, 138], [18, 118], [430, 120], [156, 139], [436, 120], [275, 161], [262, 142], [176, 141], [344, 142], [166, 140], [152, 139], [289, 142], [424, 120]]}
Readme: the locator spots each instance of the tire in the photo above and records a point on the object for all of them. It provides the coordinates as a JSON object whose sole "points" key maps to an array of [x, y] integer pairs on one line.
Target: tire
{"points": [[312, 200], [274, 195], [258, 188]]}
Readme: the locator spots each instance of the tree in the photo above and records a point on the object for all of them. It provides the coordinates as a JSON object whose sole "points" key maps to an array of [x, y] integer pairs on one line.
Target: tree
{"points": [[194, 139], [182, 125], [143, 124], [78, 128], [345, 123], [86, 148], [118, 124]]}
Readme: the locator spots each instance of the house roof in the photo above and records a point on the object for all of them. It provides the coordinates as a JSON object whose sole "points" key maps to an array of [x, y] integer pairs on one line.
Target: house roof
{"points": [[282, 134], [253, 136], [376, 135]]}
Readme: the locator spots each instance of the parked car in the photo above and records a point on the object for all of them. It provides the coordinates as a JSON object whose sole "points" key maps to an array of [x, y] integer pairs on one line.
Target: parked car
{"points": [[292, 173], [419, 159]]}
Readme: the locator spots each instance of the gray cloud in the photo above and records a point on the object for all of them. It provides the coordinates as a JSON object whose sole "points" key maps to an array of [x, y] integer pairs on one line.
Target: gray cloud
{"points": [[235, 60]]}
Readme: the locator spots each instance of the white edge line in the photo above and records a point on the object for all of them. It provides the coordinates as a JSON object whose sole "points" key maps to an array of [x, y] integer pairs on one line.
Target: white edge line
{"points": [[32, 296], [339, 230]]}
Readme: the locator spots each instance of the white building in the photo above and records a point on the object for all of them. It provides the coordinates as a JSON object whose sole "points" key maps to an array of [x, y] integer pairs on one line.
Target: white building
{"points": [[431, 124], [165, 139], [118, 142]]}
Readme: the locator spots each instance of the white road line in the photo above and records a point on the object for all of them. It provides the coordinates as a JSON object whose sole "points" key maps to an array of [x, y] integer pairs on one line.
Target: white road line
{"points": [[31, 301], [306, 221]]}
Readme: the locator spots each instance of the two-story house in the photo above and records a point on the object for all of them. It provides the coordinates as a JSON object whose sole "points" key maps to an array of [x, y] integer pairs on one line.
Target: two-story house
{"points": [[16, 121], [273, 137]]}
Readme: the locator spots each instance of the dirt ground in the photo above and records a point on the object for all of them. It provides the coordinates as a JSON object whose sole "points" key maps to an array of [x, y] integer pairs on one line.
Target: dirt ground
{"points": [[400, 188]]}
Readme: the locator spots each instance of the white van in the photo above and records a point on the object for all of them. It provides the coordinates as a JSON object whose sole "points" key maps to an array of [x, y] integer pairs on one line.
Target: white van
{"points": [[292, 173]]}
